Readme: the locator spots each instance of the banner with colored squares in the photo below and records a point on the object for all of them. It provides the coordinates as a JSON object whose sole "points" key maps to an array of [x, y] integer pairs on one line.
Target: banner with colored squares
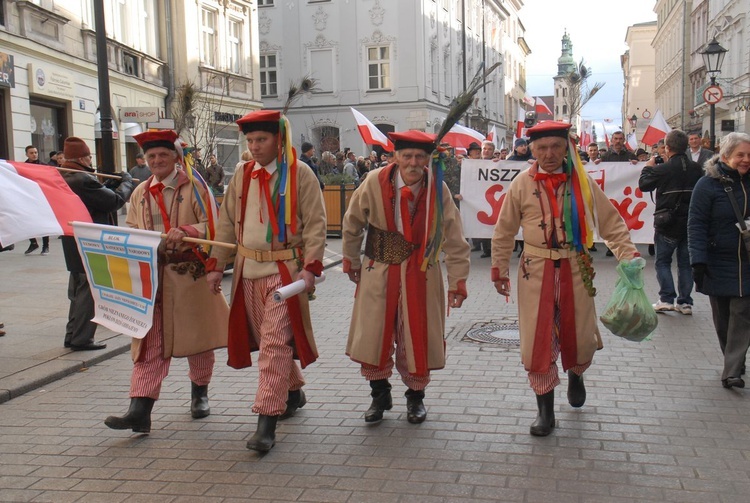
{"points": [[122, 272]]}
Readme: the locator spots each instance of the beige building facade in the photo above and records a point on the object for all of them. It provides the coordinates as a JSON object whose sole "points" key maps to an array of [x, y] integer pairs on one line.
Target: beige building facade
{"points": [[638, 68]]}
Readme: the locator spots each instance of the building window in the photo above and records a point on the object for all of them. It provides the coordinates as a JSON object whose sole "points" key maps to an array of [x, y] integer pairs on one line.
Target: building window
{"points": [[2, 13], [268, 76], [379, 67], [132, 23], [208, 37], [565, 109], [234, 40], [265, 3], [130, 64]]}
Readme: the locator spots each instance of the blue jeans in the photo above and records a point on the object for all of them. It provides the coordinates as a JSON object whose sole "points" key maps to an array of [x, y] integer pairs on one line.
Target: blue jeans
{"points": [[665, 248]]}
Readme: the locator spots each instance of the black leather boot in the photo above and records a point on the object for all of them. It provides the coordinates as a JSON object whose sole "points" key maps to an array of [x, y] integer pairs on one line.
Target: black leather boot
{"points": [[295, 400], [381, 400], [576, 390], [137, 418], [545, 419], [265, 436], [415, 411], [199, 401]]}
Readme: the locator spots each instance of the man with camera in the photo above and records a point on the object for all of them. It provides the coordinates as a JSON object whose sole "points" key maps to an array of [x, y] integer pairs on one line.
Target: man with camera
{"points": [[673, 182]]}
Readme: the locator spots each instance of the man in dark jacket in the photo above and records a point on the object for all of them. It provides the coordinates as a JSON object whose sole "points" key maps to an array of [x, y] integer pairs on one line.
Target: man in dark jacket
{"points": [[673, 182], [102, 201], [521, 151], [32, 157], [307, 152], [617, 151]]}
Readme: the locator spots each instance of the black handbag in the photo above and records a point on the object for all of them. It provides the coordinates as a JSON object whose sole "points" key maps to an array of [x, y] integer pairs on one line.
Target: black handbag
{"points": [[664, 218]]}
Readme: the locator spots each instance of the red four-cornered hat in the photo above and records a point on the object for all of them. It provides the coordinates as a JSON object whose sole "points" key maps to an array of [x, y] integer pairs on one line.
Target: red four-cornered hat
{"points": [[260, 120], [162, 138], [548, 128], [413, 139]]}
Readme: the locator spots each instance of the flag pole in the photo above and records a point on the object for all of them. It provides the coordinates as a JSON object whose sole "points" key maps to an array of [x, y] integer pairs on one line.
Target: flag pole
{"points": [[207, 242], [200, 241], [103, 175]]}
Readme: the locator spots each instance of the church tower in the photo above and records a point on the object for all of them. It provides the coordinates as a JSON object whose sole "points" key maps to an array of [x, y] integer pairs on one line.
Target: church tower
{"points": [[565, 65]]}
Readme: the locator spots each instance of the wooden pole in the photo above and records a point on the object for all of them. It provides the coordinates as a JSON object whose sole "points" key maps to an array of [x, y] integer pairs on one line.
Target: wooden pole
{"points": [[207, 242], [103, 175], [200, 241]]}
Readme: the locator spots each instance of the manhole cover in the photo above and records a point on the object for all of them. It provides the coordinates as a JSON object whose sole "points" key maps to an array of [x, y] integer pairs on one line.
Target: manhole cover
{"points": [[502, 334]]}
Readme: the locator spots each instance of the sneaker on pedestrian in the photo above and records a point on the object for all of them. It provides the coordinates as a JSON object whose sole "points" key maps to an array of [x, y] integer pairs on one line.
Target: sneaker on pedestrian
{"points": [[685, 308], [31, 248], [45, 250], [663, 307]]}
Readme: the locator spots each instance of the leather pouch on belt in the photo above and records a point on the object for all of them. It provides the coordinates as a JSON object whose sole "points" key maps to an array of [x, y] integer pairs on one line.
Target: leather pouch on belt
{"points": [[387, 247]]}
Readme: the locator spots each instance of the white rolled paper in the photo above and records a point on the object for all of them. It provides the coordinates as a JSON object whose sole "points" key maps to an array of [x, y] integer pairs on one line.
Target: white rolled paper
{"points": [[294, 288]]}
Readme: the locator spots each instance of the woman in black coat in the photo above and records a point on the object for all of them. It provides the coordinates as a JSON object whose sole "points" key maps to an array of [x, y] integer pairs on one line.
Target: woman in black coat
{"points": [[720, 261]]}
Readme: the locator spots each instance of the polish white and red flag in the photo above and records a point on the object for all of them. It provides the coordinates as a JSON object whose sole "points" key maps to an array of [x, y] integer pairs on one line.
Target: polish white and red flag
{"points": [[541, 107], [461, 137], [35, 200], [520, 123], [657, 130], [606, 136], [632, 143], [371, 134], [492, 135], [585, 134]]}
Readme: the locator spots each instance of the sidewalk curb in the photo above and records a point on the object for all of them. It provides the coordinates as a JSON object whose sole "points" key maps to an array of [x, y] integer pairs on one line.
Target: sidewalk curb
{"points": [[56, 368]]}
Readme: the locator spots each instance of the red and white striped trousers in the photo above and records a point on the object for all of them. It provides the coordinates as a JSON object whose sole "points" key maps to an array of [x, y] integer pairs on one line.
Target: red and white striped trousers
{"points": [[373, 373], [269, 322], [151, 368], [544, 382]]}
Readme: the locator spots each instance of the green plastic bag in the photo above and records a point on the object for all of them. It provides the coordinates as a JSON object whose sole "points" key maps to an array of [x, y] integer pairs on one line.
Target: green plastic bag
{"points": [[629, 314]]}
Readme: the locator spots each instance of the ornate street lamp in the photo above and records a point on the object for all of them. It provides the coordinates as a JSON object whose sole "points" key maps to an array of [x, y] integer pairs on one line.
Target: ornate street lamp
{"points": [[713, 57], [633, 122]]}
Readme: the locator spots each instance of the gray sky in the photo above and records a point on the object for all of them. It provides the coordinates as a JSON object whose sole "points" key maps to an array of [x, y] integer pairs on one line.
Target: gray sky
{"points": [[597, 31]]}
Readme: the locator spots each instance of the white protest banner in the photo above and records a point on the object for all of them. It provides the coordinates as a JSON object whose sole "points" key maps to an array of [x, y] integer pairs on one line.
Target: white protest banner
{"points": [[484, 184], [121, 268]]}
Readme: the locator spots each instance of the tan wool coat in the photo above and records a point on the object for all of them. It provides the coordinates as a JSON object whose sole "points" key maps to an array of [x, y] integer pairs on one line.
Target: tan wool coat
{"points": [[522, 208], [194, 319], [310, 238], [369, 324]]}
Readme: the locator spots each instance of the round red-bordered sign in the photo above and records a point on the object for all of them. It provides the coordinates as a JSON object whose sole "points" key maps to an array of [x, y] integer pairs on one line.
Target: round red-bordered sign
{"points": [[712, 95]]}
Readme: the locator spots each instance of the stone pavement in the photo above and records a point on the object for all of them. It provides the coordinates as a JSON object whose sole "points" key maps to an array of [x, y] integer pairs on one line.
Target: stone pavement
{"points": [[657, 425]]}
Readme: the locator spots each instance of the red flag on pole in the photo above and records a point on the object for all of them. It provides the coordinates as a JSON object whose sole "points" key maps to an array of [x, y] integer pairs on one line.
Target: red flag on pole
{"points": [[541, 107], [657, 130], [36, 201], [520, 122], [492, 135], [370, 134], [461, 136]]}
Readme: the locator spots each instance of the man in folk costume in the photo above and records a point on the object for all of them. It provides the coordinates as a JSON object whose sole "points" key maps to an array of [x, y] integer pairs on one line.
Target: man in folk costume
{"points": [[399, 303], [273, 209], [189, 321], [557, 205]]}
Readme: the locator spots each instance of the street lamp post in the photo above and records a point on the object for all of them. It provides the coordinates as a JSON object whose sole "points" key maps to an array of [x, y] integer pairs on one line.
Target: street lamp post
{"points": [[713, 57], [634, 124]]}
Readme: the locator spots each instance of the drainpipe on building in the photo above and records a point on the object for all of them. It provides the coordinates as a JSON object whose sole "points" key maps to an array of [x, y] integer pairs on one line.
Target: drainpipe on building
{"points": [[107, 161], [170, 59]]}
